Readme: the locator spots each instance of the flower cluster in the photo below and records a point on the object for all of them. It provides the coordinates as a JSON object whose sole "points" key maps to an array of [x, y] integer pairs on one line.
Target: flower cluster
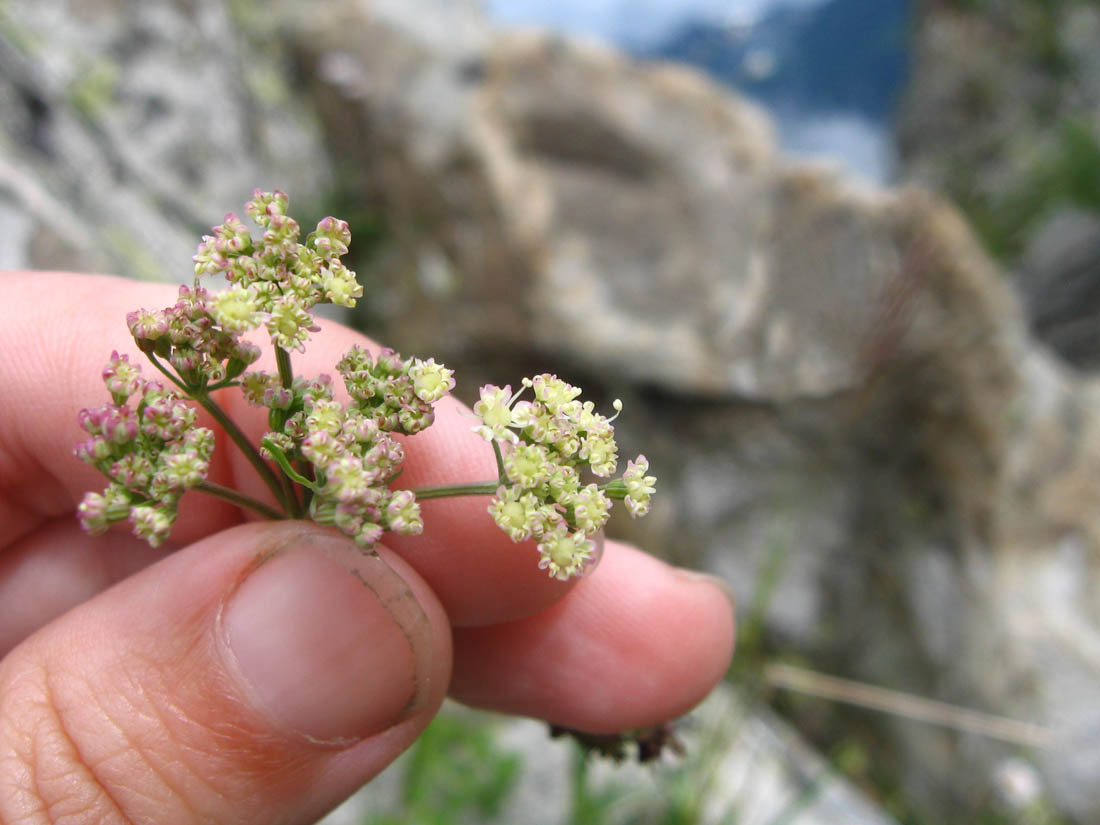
{"points": [[276, 281], [346, 455], [189, 338], [546, 447], [397, 393], [330, 460], [152, 453]]}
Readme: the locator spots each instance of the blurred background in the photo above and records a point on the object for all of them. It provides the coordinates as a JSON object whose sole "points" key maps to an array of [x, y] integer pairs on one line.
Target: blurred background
{"points": [[839, 258]]}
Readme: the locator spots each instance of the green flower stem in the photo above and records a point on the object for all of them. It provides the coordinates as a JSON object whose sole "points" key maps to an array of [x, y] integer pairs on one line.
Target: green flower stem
{"points": [[286, 378], [482, 488], [245, 446], [239, 499], [156, 363], [284, 463], [286, 372], [616, 489], [290, 491], [502, 476]]}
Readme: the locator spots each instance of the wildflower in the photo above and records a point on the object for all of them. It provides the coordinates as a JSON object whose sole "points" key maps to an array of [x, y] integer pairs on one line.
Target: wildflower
{"points": [[349, 481], [122, 378], [414, 418], [368, 535], [265, 205], [493, 409], [152, 522], [563, 553], [431, 381], [166, 417], [527, 465], [516, 512], [331, 238], [556, 394], [340, 285], [341, 454], [132, 470], [236, 310], [403, 514], [639, 486], [564, 482], [320, 448], [601, 454], [97, 511], [94, 450], [325, 416], [182, 469], [289, 325], [591, 509]]}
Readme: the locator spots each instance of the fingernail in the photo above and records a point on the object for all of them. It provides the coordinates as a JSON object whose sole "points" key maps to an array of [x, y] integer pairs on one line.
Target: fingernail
{"points": [[327, 642], [716, 581]]}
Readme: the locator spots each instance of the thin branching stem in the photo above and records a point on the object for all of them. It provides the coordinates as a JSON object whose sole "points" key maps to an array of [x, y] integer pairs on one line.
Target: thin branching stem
{"points": [[246, 447], [232, 496], [286, 378], [286, 372], [156, 363], [481, 488], [502, 476]]}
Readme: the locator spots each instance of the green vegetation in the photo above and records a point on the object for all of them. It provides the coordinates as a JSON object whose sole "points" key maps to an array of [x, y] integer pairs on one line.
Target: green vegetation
{"points": [[456, 772], [1064, 172]]}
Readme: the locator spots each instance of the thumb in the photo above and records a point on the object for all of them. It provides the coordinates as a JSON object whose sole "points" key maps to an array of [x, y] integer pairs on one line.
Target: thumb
{"points": [[259, 675]]}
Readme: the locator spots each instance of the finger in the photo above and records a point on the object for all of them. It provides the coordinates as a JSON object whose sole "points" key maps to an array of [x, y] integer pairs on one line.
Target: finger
{"points": [[58, 567], [259, 675], [479, 574], [634, 644]]}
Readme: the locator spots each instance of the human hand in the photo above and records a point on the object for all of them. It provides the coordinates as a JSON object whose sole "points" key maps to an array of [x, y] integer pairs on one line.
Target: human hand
{"points": [[262, 671]]}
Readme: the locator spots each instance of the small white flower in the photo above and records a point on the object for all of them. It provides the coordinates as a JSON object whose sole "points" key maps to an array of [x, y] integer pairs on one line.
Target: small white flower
{"points": [[403, 514], [639, 486], [152, 523], [556, 394], [290, 325], [325, 416], [527, 465], [494, 410], [563, 553], [431, 381], [591, 508], [340, 285], [236, 310], [515, 512]]}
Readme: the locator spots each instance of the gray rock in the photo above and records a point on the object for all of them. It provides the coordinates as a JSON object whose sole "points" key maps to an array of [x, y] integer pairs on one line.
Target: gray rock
{"points": [[130, 128]]}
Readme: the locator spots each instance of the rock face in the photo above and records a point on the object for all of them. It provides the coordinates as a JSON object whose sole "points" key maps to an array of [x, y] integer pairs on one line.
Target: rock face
{"points": [[129, 128], [835, 384]]}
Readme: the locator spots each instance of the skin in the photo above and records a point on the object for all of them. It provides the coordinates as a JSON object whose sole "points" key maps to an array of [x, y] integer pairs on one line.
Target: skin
{"points": [[116, 707]]}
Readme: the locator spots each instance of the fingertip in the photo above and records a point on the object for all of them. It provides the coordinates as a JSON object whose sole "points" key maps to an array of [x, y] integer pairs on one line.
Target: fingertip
{"points": [[635, 644]]}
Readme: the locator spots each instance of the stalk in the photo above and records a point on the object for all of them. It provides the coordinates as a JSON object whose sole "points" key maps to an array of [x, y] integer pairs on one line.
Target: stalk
{"points": [[482, 488], [245, 446], [239, 499]]}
